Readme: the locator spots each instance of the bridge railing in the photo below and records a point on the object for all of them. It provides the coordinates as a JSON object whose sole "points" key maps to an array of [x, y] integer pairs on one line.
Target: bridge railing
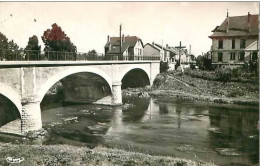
{"points": [[34, 55]]}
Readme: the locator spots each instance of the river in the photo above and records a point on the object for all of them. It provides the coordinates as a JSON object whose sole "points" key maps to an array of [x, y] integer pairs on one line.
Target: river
{"points": [[223, 134]]}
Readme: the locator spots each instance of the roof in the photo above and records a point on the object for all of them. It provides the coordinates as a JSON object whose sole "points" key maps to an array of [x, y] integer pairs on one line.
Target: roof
{"points": [[238, 26], [252, 46], [116, 49], [159, 47], [130, 41], [153, 46]]}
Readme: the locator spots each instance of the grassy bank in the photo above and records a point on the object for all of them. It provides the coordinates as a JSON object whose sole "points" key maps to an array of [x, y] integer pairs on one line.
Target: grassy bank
{"points": [[71, 155], [201, 85]]}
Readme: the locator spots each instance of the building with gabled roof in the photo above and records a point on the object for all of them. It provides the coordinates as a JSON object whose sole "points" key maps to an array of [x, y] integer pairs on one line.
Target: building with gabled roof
{"points": [[166, 53], [235, 41], [131, 47]]}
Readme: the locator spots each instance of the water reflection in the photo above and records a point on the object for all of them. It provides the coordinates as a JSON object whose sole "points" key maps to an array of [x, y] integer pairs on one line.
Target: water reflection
{"points": [[225, 134]]}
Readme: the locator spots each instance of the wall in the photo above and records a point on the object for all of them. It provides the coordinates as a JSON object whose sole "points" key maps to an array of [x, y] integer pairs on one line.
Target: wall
{"points": [[227, 45], [34, 82], [150, 51], [137, 47]]}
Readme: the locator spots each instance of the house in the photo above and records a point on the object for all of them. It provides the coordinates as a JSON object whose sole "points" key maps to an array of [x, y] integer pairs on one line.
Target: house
{"points": [[166, 53], [235, 41], [131, 48], [184, 56]]}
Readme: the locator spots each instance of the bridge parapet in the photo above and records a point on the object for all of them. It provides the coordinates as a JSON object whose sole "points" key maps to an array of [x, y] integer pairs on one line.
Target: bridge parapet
{"points": [[34, 55]]}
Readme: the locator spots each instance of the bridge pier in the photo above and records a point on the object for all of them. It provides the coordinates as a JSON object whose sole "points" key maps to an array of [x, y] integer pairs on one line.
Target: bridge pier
{"points": [[31, 116], [116, 93]]}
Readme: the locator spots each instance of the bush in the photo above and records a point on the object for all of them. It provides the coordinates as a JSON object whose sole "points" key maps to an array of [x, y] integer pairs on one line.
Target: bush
{"points": [[163, 66], [192, 66], [235, 93], [159, 80], [237, 72], [223, 74], [207, 75]]}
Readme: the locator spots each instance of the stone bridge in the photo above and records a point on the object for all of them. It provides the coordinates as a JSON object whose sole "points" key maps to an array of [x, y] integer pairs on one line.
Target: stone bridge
{"points": [[26, 83]]}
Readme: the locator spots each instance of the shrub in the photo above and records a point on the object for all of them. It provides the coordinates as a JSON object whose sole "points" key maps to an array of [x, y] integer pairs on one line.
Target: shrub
{"points": [[192, 66], [223, 74], [163, 66], [237, 72], [159, 80], [235, 93]]}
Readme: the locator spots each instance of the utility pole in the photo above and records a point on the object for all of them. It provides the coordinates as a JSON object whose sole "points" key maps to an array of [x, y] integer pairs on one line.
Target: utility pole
{"points": [[180, 47], [120, 29]]}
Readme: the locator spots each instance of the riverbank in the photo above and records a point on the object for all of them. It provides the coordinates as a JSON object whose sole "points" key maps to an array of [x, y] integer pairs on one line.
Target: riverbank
{"points": [[72, 155], [176, 85]]}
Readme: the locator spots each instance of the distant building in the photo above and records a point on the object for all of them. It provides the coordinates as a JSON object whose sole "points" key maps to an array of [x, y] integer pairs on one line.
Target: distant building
{"points": [[235, 41], [131, 48], [185, 56], [166, 53]]}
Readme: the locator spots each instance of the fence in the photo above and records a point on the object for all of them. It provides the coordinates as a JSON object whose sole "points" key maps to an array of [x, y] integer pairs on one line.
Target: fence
{"points": [[32, 55]]}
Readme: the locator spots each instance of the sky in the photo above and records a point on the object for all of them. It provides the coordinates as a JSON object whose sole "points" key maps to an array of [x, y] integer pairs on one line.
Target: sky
{"points": [[89, 23]]}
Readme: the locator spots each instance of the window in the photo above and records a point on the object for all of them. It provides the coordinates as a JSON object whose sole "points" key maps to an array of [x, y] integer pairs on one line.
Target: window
{"points": [[242, 43], [233, 43], [220, 54], [242, 56], [232, 56], [254, 57], [220, 44]]}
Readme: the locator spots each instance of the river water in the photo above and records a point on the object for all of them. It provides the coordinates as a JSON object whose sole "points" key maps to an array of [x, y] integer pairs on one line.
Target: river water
{"points": [[223, 134]]}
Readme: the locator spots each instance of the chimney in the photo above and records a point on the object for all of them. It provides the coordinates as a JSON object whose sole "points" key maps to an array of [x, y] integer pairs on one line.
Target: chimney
{"points": [[120, 37], [108, 38], [167, 46], [227, 28], [123, 38], [249, 22], [153, 43]]}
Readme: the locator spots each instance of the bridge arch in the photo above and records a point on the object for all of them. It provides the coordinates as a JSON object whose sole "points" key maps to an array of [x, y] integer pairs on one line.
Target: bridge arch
{"points": [[74, 70], [12, 95], [124, 72], [137, 70]]}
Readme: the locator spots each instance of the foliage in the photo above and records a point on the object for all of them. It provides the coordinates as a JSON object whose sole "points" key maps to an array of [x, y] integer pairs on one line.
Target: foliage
{"points": [[223, 74], [192, 66], [9, 49], [56, 40], [203, 63], [235, 93], [3, 41], [33, 48], [92, 53], [254, 67], [207, 75], [164, 66], [159, 80]]}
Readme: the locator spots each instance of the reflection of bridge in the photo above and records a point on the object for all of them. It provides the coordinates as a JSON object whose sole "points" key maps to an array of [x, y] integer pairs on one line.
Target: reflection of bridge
{"points": [[25, 83]]}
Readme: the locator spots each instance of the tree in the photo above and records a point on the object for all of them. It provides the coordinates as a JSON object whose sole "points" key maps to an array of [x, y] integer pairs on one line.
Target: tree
{"points": [[14, 53], [9, 50], [56, 40], [92, 55], [203, 62], [164, 66], [3, 45], [32, 48]]}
